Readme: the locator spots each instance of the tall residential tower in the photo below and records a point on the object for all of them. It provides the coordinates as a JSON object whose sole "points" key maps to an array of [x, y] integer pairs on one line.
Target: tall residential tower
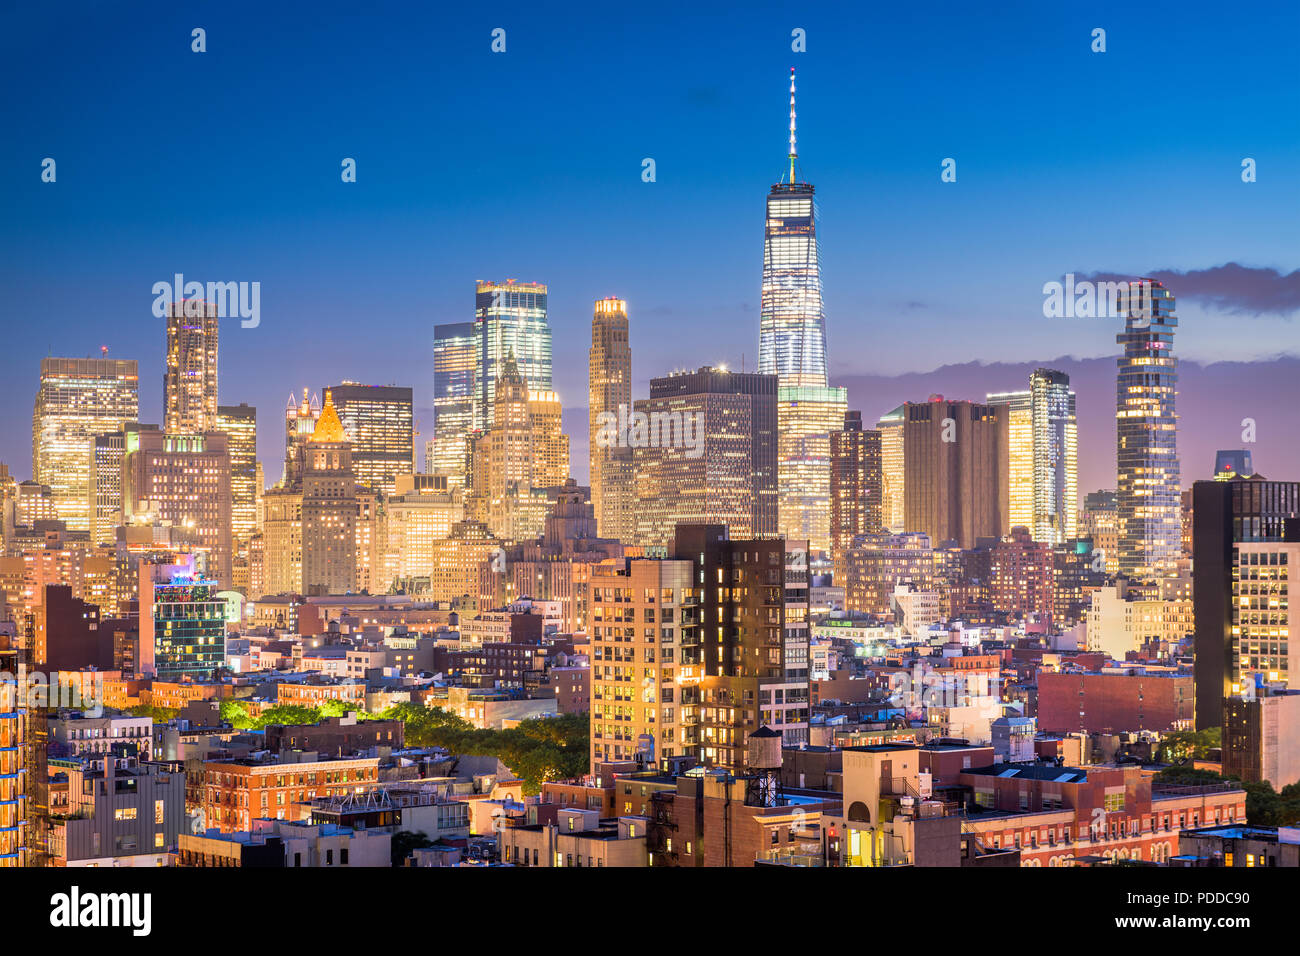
{"points": [[609, 393]]}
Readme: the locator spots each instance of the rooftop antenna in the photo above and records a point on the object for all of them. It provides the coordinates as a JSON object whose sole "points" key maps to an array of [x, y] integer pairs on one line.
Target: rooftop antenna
{"points": [[794, 153]]}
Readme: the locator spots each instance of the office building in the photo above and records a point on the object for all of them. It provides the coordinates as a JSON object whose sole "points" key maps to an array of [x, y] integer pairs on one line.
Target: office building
{"points": [[455, 367], [510, 325], [107, 453], [1020, 455], [1149, 530], [705, 452], [609, 390], [239, 423], [379, 422], [190, 382], [955, 470], [523, 453], [1228, 514], [855, 486], [299, 423], [77, 400], [329, 508], [183, 480]]}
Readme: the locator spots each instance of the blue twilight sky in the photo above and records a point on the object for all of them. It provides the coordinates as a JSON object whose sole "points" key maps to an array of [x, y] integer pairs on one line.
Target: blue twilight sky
{"points": [[226, 166]]}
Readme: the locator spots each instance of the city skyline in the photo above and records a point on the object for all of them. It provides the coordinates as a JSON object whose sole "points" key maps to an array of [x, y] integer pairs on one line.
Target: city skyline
{"points": [[320, 258]]}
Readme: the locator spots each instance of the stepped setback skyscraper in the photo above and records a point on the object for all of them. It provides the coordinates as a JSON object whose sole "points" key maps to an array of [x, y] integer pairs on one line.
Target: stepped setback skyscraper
{"points": [[792, 346], [1150, 525]]}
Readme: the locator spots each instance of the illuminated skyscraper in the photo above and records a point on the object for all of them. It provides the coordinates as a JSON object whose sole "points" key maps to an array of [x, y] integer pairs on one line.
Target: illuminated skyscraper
{"points": [[1056, 457], [855, 486], [705, 454], [1042, 457], [239, 422], [792, 333], [890, 427], [609, 389], [792, 346], [299, 423], [378, 420], [106, 455], [184, 480], [1020, 455], [509, 322], [522, 453], [77, 400], [455, 364], [1150, 529], [807, 416], [190, 383], [329, 508], [955, 470]]}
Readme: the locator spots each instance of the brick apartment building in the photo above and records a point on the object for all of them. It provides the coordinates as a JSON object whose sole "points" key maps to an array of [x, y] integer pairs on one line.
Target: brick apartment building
{"points": [[1115, 700]]}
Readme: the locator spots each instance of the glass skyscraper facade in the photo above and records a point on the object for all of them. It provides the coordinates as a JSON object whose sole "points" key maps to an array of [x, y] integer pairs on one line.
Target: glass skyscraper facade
{"points": [[792, 346], [1056, 457], [77, 400], [792, 330], [1042, 457], [455, 364], [379, 421], [1150, 525], [182, 621], [509, 322]]}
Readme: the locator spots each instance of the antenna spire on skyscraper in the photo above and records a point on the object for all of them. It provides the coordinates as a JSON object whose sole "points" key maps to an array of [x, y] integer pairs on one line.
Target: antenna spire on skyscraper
{"points": [[794, 154]]}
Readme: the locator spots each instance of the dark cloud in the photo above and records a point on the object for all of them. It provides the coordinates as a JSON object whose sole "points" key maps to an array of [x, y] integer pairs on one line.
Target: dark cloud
{"points": [[1232, 288]]}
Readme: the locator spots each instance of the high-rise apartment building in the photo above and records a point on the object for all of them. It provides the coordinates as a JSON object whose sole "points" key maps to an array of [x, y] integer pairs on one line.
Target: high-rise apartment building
{"points": [[1042, 457], [955, 470], [329, 508], [183, 480], [609, 393], [379, 422], [509, 324], [645, 655], [1149, 531], [753, 615], [239, 423], [106, 455], [455, 366], [420, 515], [878, 563], [855, 488], [1020, 455], [705, 452], [77, 400], [190, 382], [1262, 651], [1056, 457], [1227, 515]]}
